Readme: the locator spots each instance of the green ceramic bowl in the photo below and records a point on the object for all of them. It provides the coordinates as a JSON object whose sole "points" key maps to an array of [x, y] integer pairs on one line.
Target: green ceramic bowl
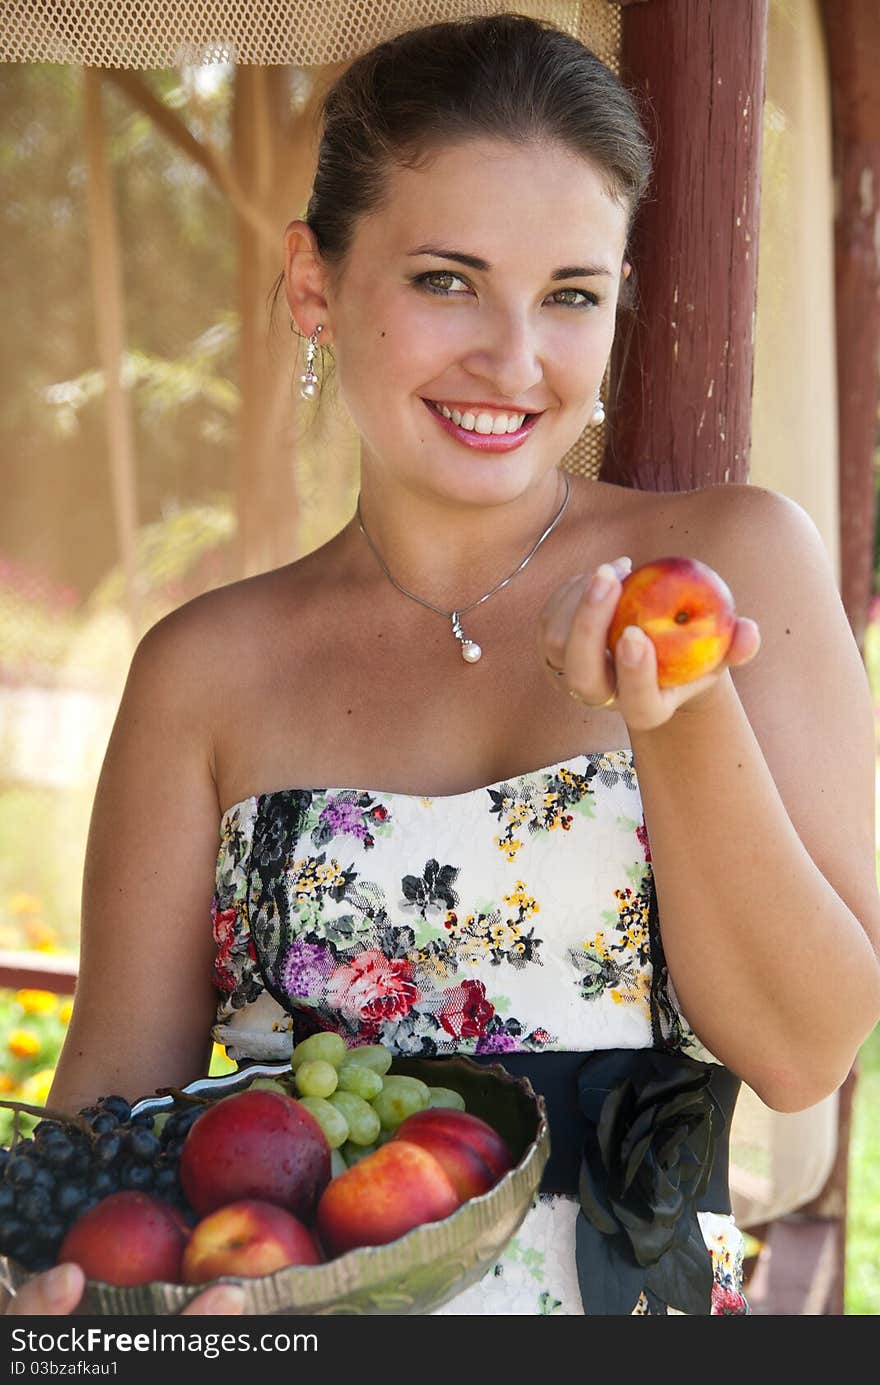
{"points": [[415, 1274]]}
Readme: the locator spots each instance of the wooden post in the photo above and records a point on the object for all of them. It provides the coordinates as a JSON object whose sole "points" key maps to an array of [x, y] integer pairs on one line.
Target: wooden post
{"points": [[109, 301], [680, 415], [852, 29]]}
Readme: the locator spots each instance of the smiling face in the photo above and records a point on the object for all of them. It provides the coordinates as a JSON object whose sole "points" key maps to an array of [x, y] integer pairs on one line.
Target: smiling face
{"points": [[484, 289]]}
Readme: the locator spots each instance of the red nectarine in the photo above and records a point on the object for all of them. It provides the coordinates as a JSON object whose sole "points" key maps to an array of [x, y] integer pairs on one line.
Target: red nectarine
{"points": [[126, 1238], [247, 1238], [382, 1197], [441, 1122], [255, 1144], [685, 609]]}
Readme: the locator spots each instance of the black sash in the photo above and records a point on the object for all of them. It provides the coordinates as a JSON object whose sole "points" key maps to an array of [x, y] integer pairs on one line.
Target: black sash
{"points": [[641, 1136]]}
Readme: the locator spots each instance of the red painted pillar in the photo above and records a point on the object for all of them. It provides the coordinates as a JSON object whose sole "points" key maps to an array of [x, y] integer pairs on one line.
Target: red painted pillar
{"points": [[852, 29], [680, 417]]}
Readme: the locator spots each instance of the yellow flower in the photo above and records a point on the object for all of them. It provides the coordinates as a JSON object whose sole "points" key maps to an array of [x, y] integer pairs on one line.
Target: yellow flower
{"points": [[37, 1087], [24, 904], [65, 1010], [7, 1084], [37, 1002], [22, 1043]]}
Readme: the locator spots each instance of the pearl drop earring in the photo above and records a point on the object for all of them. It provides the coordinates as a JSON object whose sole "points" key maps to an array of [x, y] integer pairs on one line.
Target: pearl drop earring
{"points": [[309, 381], [598, 414]]}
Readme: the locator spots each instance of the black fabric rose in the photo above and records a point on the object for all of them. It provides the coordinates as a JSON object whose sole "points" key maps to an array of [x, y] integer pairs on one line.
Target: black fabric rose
{"points": [[652, 1124]]}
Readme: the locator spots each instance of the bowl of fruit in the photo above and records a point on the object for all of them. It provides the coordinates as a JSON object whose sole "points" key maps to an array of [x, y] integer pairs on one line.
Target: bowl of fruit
{"points": [[344, 1181]]}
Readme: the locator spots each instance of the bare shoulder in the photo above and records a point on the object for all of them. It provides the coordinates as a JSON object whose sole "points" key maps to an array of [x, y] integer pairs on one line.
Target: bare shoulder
{"points": [[195, 652]]}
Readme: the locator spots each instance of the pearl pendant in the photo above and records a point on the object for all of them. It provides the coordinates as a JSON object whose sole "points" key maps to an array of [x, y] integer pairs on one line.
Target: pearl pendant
{"points": [[309, 389], [471, 651]]}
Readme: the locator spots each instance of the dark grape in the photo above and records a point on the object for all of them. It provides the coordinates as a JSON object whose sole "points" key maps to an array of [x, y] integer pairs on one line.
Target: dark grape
{"points": [[173, 1148], [51, 1231], [81, 1163], [166, 1179], [89, 1112], [4, 1155], [108, 1148], [35, 1205], [58, 1152], [20, 1170], [104, 1122], [46, 1130], [143, 1144], [69, 1197], [104, 1182], [44, 1178], [7, 1197], [118, 1107], [142, 1121], [136, 1176], [13, 1231]]}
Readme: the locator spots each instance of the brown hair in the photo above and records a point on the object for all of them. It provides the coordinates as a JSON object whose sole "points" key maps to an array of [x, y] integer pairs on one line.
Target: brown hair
{"points": [[508, 76]]}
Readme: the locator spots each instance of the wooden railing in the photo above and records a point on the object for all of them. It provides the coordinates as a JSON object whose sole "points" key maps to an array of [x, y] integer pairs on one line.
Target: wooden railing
{"points": [[46, 971]]}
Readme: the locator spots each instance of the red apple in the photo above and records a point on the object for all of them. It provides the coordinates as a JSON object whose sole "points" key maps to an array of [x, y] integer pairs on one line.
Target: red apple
{"points": [[255, 1144], [441, 1123], [249, 1239], [382, 1197], [127, 1238], [686, 610]]}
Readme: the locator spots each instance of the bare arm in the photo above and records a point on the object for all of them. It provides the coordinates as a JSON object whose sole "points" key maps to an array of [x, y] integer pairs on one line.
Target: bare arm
{"points": [[144, 1000], [762, 832]]}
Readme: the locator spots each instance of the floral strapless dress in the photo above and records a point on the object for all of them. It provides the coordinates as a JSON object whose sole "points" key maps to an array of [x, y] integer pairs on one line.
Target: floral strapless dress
{"points": [[510, 918]]}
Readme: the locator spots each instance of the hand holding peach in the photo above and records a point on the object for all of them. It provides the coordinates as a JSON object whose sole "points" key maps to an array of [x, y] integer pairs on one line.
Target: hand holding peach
{"points": [[649, 644]]}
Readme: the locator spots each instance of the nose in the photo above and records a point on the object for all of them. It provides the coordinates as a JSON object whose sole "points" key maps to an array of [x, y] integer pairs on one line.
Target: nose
{"points": [[508, 357]]}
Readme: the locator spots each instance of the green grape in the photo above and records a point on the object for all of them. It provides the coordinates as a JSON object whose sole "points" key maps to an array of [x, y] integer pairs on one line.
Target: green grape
{"points": [[374, 1056], [400, 1097], [445, 1096], [330, 1119], [266, 1084], [338, 1162], [316, 1078], [327, 1047], [363, 1120], [358, 1078], [353, 1153]]}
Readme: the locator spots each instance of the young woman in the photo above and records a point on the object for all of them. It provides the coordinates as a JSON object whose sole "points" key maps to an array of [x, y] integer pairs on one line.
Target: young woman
{"points": [[431, 810]]}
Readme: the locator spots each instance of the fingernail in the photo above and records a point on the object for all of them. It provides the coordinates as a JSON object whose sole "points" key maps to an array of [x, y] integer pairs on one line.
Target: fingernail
{"points": [[623, 565], [602, 583], [60, 1283], [632, 645]]}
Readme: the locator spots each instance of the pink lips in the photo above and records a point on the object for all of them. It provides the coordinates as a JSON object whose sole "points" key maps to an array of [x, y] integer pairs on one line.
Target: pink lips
{"points": [[485, 442]]}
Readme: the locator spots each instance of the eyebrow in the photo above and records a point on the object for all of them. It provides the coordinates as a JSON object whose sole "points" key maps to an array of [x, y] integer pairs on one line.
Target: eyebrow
{"points": [[474, 262]]}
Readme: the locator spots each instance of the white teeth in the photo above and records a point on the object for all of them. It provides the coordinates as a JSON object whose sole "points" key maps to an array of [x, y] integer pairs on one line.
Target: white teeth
{"points": [[485, 423]]}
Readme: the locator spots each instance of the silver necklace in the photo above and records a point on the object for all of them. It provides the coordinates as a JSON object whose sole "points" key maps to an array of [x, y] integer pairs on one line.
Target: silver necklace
{"points": [[470, 650]]}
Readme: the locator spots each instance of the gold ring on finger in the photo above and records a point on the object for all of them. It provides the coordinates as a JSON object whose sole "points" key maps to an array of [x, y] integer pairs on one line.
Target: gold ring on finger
{"points": [[573, 692]]}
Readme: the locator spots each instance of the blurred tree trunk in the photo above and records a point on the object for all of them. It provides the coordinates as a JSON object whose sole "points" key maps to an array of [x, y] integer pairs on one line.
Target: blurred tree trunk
{"points": [[273, 157]]}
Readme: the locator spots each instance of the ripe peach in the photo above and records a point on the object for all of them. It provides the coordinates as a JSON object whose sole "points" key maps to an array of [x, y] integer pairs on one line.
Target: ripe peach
{"points": [[127, 1238], [255, 1144], [384, 1196], [686, 610], [464, 1128], [247, 1238]]}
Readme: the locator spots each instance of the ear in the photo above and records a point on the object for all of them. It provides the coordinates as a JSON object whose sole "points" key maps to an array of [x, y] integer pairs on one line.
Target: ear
{"points": [[627, 269], [305, 280]]}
